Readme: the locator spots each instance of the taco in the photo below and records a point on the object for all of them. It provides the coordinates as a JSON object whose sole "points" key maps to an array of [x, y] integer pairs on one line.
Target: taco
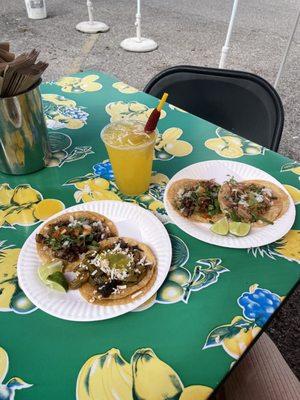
{"points": [[257, 202], [71, 235], [122, 270], [196, 200]]}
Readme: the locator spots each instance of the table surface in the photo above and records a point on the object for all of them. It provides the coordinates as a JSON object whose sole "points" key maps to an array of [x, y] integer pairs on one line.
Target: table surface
{"points": [[214, 300]]}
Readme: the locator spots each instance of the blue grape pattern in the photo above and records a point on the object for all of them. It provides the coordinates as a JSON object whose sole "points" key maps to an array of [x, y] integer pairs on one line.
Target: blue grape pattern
{"points": [[259, 305], [74, 113], [104, 170]]}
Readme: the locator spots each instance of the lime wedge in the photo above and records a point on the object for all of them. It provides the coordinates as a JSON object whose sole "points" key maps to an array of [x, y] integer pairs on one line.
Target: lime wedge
{"points": [[220, 227], [58, 281], [47, 269], [239, 228]]}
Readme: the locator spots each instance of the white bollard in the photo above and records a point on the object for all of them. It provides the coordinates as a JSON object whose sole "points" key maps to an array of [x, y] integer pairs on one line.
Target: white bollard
{"points": [[138, 44], [36, 9], [91, 26]]}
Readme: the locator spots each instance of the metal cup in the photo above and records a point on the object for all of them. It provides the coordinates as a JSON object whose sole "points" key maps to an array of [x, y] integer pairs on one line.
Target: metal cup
{"points": [[24, 144]]}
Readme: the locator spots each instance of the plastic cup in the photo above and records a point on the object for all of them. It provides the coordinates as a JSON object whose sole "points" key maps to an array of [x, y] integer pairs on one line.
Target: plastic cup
{"points": [[130, 151]]}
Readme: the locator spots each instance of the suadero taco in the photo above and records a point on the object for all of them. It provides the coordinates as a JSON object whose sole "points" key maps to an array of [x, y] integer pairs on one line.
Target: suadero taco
{"points": [[195, 199], [257, 202]]}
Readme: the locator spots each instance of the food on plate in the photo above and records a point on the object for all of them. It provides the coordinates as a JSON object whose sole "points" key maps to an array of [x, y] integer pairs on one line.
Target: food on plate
{"points": [[119, 272], [195, 199], [69, 236], [257, 202]]}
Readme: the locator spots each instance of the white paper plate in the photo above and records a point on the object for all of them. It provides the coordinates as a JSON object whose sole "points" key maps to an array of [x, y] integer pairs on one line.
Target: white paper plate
{"points": [[219, 170], [131, 221]]}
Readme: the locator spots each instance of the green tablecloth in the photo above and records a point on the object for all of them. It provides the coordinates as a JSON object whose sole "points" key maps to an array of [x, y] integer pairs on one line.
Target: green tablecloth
{"points": [[214, 301]]}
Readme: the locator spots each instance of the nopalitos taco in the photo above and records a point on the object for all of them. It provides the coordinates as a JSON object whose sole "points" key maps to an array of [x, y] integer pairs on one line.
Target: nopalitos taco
{"points": [[122, 270]]}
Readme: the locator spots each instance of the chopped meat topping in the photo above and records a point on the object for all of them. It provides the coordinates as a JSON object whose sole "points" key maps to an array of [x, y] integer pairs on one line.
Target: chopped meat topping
{"points": [[246, 203], [201, 197], [69, 239]]}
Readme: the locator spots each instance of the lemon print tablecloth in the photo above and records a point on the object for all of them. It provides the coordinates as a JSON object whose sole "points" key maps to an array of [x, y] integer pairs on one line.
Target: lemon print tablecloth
{"points": [[186, 338]]}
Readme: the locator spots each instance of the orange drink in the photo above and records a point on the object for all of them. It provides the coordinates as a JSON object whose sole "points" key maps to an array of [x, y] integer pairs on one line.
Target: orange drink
{"points": [[130, 151]]}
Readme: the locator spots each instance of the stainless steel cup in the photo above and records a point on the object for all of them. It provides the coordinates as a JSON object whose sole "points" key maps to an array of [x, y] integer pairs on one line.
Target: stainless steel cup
{"points": [[24, 144]]}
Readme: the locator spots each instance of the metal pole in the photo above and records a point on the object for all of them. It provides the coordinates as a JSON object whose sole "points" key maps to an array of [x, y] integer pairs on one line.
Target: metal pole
{"points": [[225, 48], [138, 43], [287, 51], [138, 21], [91, 26], [90, 10]]}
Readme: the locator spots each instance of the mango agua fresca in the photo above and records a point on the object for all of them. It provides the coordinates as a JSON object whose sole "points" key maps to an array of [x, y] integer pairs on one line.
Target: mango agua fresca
{"points": [[130, 151]]}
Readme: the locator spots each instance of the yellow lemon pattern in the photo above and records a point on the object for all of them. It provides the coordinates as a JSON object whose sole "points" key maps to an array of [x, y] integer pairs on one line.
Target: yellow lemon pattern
{"points": [[237, 344], [24, 205], [124, 88], [61, 112], [294, 192], [292, 166], [196, 392], [109, 376], [94, 189], [168, 145], [133, 110], [72, 84], [100, 185], [228, 145], [12, 298], [7, 390], [46, 208], [287, 247]]}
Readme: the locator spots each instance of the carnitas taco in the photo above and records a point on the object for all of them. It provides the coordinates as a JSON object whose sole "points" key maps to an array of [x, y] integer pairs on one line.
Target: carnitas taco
{"points": [[257, 202], [196, 200], [122, 270], [69, 236]]}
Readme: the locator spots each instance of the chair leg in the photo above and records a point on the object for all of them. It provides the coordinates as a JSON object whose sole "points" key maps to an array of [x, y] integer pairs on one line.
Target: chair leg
{"points": [[262, 375]]}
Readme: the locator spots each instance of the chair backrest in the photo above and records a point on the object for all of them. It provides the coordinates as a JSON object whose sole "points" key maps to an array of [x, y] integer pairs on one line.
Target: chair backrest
{"points": [[240, 102]]}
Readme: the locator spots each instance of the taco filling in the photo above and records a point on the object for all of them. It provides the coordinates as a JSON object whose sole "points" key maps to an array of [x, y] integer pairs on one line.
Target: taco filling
{"points": [[201, 197], [247, 202], [69, 238], [114, 270]]}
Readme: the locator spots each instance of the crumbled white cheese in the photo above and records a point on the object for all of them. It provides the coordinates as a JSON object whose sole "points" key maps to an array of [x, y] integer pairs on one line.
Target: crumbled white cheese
{"points": [[142, 260], [259, 198], [121, 287], [243, 203], [66, 243], [97, 223], [267, 191], [148, 263]]}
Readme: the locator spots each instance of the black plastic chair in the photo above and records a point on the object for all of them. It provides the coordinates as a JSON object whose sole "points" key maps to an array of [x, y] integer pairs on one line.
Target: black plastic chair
{"points": [[240, 102]]}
